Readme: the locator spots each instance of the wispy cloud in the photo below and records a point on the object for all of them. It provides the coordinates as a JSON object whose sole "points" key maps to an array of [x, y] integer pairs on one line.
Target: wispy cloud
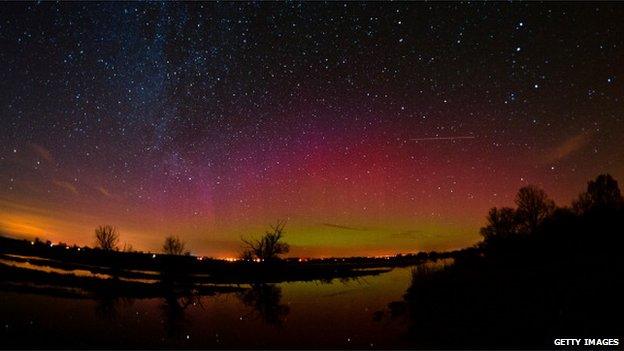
{"points": [[42, 152], [66, 185], [410, 234], [346, 227], [104, 192], [568, 147]]}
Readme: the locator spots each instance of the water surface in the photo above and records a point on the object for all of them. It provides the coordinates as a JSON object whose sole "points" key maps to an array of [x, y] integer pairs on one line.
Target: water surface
{"points": [[336, 314]]}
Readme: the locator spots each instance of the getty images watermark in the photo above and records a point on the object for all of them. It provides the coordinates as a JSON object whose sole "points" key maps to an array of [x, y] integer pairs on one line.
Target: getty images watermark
{"points": [[587, 342]]}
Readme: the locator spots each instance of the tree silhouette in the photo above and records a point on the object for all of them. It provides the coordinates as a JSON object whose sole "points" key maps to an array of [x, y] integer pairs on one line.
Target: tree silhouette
{"points": [[173, 246], [534, 207], [501, 223], [106, 237], [536, 270], [247, 255], [269, 246], [602, 193]]}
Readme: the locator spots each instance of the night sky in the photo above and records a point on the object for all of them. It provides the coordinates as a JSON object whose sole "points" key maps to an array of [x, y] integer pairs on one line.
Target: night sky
{"points": [[373, 128]]}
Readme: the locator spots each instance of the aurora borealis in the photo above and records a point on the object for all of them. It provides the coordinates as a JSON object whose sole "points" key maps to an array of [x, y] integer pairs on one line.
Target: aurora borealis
{"points": [[373, 128]]}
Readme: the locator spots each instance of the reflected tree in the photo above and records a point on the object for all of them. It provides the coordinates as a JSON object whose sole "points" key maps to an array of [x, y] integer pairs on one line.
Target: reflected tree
{"points": [[265, 299], [174, 308], [108, 306]]}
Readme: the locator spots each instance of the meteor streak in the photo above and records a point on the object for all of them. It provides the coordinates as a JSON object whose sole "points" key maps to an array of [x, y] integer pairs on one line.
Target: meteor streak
{"points": [[445, 138]]}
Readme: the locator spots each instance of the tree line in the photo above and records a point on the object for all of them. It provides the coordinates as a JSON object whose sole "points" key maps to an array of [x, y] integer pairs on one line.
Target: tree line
{"points": [[269, 247], [107, 239], [534, 209]]}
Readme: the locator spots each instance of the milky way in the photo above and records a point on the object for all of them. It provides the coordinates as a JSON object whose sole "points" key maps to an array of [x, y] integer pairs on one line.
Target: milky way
{"points": [[372, 128]]}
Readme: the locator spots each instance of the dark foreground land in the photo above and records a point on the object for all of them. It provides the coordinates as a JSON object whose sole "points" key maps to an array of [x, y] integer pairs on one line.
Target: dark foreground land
{"points": [[71, 271], [542, 272]]}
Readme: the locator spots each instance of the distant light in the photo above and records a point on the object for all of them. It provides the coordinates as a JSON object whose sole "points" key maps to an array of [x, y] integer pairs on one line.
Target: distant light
{"points": [[153, 255], [521, 24], [518, 49], [536, 86], [78, 249], [32, 243]]}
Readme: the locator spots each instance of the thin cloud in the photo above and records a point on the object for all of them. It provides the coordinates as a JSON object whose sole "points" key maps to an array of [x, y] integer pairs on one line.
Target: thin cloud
{"points": [[568, 147], [345, 227], [104, 192], [42, 152], [411, 234], [66, 185]]}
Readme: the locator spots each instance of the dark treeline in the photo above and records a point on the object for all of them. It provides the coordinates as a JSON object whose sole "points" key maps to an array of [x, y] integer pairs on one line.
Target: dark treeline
{"points": [[540, 272], [170, 269], [260, 261]]}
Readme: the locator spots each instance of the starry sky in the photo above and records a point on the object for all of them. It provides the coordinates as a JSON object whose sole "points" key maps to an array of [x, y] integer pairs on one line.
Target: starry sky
{"points": [[373, 128]]}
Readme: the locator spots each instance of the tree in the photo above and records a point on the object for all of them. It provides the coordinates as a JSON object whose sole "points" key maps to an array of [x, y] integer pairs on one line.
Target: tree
{"points": [[173, 246], [106, 237], [269, 246], [602, 193], [501, 224], [534, 207], [247, 255]]}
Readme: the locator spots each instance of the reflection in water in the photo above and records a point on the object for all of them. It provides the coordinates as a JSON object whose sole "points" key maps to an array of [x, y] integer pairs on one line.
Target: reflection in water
{"points": [[179, 293], [163, 315], [173, 311], [409, 311], [108, 307], [265, 300]]}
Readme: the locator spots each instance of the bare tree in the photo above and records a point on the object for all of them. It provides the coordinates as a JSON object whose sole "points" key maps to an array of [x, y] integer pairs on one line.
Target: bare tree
{"points": [[533, 207], [247, 255], [106, 237], [269, 246], [173, 246]]}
